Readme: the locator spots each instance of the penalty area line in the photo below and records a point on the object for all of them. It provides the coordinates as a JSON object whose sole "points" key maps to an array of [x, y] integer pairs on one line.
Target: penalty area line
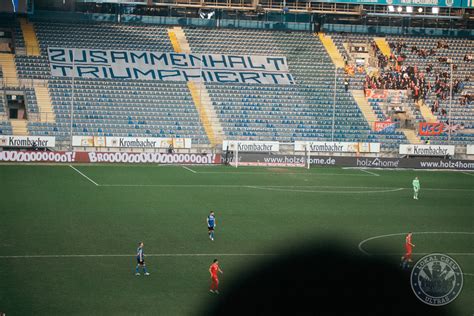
{"points": [[370, 172], [189, 169], [253, 186], [324, 191], [361, 249], [82, 174]]}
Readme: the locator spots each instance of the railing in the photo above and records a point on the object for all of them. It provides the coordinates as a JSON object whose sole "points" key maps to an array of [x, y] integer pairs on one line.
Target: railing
{"points": [[40, 116], [15, 83], [32, 50]]}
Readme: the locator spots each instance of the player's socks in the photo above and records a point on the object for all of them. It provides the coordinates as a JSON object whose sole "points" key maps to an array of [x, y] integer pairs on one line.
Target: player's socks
{"points": [[136, 269], [144, 270]]}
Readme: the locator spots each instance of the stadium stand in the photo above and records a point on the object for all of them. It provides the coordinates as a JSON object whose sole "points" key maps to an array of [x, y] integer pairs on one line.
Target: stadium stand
{"points": [[5, 125], [428, 54], [424, 53], [290, 113], [246, 111], [2, 104], [121, 108], [110, 107]]}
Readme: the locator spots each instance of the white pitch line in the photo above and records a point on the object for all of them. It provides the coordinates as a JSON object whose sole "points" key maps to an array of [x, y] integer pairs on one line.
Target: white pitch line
{"points": [[84, 175], [402, 234], [370, 172], [252, 186], [134, 255], [284, 173], [326, 191], [150, 255], [469, 174], [189, 169]]}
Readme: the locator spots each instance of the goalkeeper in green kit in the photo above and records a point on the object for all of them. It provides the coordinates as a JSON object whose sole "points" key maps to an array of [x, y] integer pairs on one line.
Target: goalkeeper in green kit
{"points": [[416, 188]]}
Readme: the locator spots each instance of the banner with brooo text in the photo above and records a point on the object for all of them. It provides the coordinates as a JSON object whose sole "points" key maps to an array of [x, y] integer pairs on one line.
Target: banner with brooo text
{"points": [[107, 157]]}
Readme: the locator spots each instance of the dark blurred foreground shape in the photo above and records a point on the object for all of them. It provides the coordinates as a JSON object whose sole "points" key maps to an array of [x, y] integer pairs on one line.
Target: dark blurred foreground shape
{"points": [[324, 280]]}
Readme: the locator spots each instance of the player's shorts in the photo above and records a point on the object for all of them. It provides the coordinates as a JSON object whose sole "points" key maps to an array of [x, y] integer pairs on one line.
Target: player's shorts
{"points": [[140, 262], [210, 228], [416, 189]]}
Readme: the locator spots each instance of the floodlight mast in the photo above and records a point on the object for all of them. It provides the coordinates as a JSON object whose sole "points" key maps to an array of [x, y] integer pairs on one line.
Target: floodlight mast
{"points": [[72, 99], [450, 101]]}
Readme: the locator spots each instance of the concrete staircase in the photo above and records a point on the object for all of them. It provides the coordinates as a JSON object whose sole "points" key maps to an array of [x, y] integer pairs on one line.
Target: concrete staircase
{"points": [[365, 107], [199, 93], [19, 127], [332, 50], [411, 136], [44, 104], [10, 77], [383, 46], [425, 111], [29, 35], [177, 35], [207, 114]]}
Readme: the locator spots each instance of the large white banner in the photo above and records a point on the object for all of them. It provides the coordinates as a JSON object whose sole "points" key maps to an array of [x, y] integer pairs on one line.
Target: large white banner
{"points": [[27, 141], [427, 150], [337, 147], [146, 65], [470, 149], [106, 157], [147, 142], [250, 146]]}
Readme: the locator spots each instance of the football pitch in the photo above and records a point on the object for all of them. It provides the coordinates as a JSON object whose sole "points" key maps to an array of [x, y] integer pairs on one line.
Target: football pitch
{"points": [[68, 234]]}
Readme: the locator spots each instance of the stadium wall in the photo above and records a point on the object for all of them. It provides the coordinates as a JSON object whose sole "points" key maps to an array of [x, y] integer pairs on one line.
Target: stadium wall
{"points": [[260, 159], [107, 157], [245, 159]]}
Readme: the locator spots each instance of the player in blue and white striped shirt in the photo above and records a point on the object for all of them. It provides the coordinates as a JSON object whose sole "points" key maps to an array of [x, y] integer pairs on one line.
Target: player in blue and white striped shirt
{"points": [[211, 224], [141, 260]]}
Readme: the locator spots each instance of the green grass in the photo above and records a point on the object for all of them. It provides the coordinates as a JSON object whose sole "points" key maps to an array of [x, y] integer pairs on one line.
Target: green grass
{"points": [[54, 210]]}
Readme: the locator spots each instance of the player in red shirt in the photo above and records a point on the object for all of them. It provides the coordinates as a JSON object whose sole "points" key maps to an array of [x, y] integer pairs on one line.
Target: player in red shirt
{"points": [[213, 269], [408, 247]]}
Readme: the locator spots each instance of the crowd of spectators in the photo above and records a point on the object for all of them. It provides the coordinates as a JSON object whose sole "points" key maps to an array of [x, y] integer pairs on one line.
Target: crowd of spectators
{"points": [[395, 74], [407, 77], [382, 60]]}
